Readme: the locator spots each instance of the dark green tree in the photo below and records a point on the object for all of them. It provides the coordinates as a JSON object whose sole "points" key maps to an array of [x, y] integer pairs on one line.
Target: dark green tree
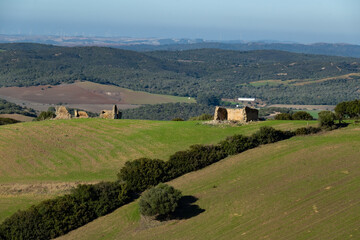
{"points": [[45, 115], [283, 116], [161, 200], [326, 119], [302, 115], [142, 173]]}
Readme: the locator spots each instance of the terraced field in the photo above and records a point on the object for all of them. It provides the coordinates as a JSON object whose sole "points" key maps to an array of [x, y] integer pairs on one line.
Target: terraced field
{"points": [[301, 188], [37, 158]]}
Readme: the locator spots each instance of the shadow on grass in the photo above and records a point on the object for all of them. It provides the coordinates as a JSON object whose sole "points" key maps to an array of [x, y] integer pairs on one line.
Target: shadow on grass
{"points": [[185, 210]]}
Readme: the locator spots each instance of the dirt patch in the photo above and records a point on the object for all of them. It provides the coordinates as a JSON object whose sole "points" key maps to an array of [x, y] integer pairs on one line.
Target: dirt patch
{"points": [[38, 188], [346, 76], [65, 93], [83, 95]]}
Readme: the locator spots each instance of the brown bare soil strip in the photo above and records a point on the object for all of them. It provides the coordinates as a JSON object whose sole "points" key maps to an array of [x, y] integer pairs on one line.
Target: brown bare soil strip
{"points": [[11, 189], [346, 76]]}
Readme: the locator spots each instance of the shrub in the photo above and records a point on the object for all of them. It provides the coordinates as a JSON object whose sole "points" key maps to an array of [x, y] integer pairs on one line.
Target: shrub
{"points": [[307, 130], [55, 217], [326, 119], [270, 135], [283, 116], [177, 119], [142, 173], [45, 115], [159, 201], [202, 117], [302, 115], [197, 157], [237, 144]]}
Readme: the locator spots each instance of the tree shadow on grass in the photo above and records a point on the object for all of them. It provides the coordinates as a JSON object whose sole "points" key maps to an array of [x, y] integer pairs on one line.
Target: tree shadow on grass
{"points": [[185, 210]]}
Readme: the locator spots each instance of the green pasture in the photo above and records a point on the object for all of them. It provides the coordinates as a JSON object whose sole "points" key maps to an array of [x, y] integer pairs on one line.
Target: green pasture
{"points": [[302, 188], [93, 150]]}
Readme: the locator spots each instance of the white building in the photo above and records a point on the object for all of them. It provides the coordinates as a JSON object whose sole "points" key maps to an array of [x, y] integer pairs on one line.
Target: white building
{"points": [[246, 99]]}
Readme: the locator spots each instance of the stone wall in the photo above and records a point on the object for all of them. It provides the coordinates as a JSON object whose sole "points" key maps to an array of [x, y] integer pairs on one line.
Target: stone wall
{"points": [[80, 114], [236, 114], [111, 114], [62, 113]]}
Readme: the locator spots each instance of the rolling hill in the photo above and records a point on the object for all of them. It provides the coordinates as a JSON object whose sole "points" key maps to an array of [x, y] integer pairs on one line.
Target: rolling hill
{"points": [[41, 159], [301, 188], [188, 73]]}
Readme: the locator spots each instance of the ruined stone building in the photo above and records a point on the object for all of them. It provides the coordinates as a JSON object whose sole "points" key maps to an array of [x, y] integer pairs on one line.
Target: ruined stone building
{"points": [[62, 113], [111, 114], [245, 114], [80, 114]]}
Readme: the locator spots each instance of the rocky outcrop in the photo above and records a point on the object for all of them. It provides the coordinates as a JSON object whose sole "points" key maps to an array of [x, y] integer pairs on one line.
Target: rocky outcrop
{"points": [[62, 113], [111, 114], [245, 114]]}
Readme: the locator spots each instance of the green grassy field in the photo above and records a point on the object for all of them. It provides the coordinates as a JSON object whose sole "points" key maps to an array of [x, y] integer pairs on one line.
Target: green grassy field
{"points": [[91, 150], [302, 188]]}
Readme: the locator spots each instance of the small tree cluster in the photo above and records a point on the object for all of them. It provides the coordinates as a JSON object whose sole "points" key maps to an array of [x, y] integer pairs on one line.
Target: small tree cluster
{"points": [[349, 109], [300, 115], [161, 200], [45, 116]]}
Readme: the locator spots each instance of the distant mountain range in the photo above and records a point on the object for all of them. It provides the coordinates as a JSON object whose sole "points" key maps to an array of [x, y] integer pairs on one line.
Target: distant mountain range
{"points": [[168, 44]]}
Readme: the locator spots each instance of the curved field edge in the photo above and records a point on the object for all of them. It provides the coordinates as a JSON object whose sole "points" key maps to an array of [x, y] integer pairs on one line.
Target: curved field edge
{"points": [[95, 149], [301, 188], [40, 160]]}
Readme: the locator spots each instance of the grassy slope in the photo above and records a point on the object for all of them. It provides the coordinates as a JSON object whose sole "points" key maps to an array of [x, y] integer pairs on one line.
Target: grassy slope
{"points": [[94, 150], [301, 188]]}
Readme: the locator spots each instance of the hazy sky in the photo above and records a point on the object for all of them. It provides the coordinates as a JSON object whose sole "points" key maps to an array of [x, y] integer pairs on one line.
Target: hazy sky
{"points": [[303, 21]]}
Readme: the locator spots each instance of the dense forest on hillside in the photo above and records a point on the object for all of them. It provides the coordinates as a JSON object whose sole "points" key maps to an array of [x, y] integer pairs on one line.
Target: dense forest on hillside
{"points": [[168, 111], [10, 108], [185, 73]]}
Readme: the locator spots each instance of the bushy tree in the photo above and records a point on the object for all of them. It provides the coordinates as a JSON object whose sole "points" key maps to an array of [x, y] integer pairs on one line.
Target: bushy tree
{"points": [[307, 130], [302, 115], [45, 115], [237, 144], [142, 173], [161, 200], [267, 135], [326, 119], [197, 157], [283, 116]]}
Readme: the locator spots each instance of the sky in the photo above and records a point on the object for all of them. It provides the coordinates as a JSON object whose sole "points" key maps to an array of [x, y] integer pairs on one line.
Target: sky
{"points": [[303, 21]]}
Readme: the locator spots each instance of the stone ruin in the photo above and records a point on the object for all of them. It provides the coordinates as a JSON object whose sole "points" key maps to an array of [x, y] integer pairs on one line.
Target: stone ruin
{"points": [[80, 114], [62, 113], [245, 114], [111, 114]]}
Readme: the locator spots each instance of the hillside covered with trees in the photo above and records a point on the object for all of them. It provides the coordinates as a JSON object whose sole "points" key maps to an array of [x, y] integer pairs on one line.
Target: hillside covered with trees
{"points": [[273, 76]]}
